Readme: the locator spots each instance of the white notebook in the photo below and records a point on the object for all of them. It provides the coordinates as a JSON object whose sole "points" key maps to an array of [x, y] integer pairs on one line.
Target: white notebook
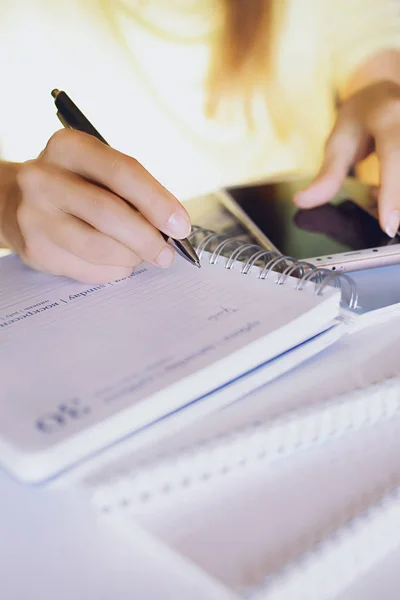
{"points": [[301, 528], [85, 366]]}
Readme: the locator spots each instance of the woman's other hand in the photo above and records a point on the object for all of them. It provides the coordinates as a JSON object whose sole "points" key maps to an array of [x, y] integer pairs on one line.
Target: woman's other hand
{"points": [[86, 211], [368, 121]]}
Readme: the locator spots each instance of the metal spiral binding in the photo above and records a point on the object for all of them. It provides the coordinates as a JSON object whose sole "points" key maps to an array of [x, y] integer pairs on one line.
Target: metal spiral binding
{"points": [[236, 251]]}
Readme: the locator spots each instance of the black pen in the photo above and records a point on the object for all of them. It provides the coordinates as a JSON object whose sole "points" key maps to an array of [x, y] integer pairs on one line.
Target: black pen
{"points": [[71, 117]]}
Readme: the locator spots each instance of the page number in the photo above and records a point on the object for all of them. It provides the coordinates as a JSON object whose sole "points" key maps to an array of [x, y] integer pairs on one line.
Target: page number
{"points": [[62, 416]]}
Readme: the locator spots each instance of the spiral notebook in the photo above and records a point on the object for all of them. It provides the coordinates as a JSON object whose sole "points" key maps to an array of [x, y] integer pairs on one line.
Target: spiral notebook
{"points": [[84, 367], [268, 529], [314, 523]]}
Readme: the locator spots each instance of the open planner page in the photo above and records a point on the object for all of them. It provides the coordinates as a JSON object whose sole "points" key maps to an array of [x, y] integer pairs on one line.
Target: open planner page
{"points": [[121, 355]]}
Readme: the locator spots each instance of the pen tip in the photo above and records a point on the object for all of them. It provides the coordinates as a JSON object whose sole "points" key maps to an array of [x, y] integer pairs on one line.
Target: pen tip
{"points": [[55, 93], [197, 263]]}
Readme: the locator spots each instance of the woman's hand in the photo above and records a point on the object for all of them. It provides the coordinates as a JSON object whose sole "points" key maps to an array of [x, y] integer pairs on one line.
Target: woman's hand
{"points": [[88, 212], [368, 121]]}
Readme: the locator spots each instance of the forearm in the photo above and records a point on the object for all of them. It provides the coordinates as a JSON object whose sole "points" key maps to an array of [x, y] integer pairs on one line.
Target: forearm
{"points": [[8, 198]]}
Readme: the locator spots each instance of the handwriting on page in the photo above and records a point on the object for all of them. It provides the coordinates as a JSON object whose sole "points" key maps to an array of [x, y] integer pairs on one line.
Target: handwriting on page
{"points": [[223, 311]]}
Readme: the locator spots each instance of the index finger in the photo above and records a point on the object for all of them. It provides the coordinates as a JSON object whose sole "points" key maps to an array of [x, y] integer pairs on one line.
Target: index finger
{"points": [[388, 151], [85, 155]]}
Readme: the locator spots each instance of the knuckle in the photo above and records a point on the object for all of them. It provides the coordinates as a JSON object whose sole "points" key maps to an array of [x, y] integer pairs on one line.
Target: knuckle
{"points": [[31, 175], [60, 142], [122, 169]]}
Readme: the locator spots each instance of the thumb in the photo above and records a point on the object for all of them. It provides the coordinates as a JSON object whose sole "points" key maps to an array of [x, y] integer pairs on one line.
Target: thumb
{"points": [[345, 144]]}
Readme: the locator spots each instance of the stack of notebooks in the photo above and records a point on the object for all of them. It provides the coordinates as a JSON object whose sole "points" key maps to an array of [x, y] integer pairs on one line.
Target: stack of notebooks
{"points": [[255, 526], [154, 386]]}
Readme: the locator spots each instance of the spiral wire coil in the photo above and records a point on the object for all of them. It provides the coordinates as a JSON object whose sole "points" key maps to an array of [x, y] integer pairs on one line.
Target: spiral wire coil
{"points": [[235, 251]]}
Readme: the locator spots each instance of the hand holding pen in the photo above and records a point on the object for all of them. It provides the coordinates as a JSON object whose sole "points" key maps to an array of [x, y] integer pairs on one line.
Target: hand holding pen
{"points": [[71, 117], [88, 212]]}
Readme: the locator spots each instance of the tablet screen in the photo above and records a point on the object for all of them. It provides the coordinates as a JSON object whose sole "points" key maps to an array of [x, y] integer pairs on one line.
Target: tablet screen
{"points": [[338, 227]]}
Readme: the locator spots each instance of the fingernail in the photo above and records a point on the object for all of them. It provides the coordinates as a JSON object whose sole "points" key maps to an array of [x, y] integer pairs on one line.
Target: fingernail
{"points": [[179, 225], [300, 198], [166, 257], [392, 223]]}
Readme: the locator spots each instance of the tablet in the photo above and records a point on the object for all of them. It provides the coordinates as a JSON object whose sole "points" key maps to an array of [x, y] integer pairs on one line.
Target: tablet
{"points": [[342, 235]]}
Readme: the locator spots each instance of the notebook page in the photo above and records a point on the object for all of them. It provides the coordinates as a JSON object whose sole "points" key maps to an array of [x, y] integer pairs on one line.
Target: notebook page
{"points": [[89, 352]]}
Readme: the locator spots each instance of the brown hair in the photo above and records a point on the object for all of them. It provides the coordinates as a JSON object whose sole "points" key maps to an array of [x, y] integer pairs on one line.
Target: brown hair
{"points": [[243, 58], [243, 49]]}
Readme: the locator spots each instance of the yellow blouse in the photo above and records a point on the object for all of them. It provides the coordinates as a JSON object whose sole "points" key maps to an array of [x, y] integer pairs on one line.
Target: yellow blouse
{"points": [[137, 70]]}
